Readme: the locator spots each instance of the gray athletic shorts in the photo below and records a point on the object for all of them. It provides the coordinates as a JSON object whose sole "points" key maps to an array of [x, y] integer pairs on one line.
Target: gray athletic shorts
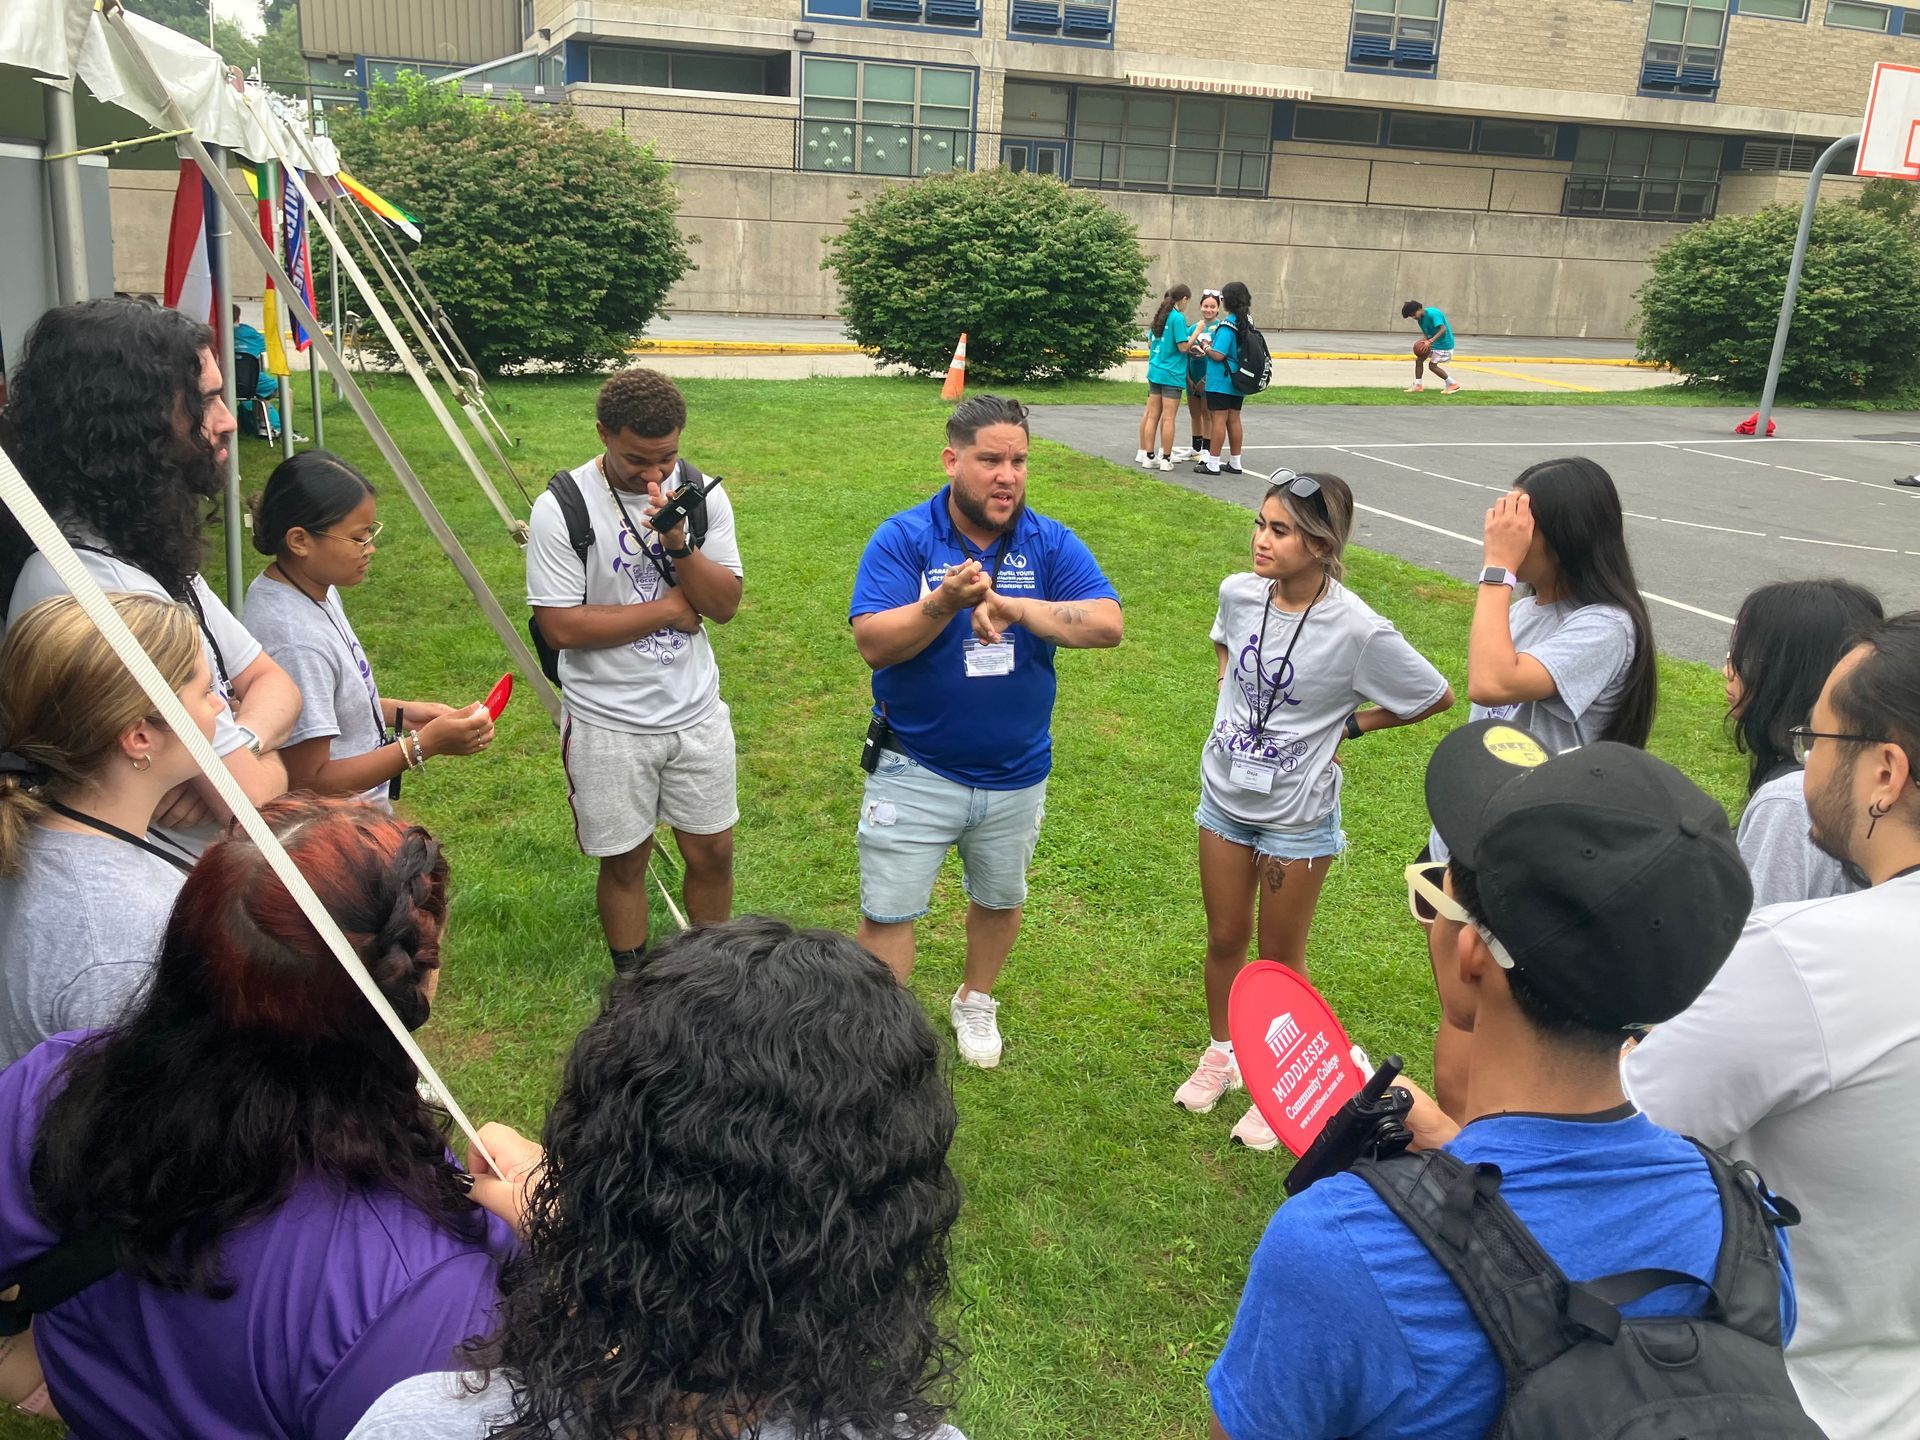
{"points": [[621, 786]]}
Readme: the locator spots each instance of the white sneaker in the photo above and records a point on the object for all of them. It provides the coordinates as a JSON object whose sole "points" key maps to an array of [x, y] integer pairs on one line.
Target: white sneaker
{"points": [[1148, 460], [1165, 463], [1214, 1076], [1253, 1131], [976, 1030], [1182, 452], [1140, 457]]}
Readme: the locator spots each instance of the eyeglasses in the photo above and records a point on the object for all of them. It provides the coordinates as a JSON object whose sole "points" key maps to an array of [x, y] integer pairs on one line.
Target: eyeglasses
{"points": [[1803, 738], [1430, 902], [365, 542], [1304, 487]]}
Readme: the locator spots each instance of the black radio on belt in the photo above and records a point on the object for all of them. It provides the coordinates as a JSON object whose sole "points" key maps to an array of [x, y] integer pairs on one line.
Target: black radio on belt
{"points": [[879, 737]]}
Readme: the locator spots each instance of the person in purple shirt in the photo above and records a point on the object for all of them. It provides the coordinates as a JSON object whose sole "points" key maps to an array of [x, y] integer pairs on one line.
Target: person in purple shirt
{"points": [[293, 1236]]}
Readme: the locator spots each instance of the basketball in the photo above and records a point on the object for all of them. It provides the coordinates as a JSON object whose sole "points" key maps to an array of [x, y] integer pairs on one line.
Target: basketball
{"points": [[1422, 347]]}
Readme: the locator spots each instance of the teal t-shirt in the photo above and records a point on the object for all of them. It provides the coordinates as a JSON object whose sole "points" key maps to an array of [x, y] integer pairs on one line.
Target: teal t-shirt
{"points": [[1226, 339], [1433, 324], [1166, 365]]}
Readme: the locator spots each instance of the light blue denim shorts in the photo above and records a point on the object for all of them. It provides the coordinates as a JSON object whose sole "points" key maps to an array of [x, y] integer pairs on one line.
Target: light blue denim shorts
{"points": [[909, 819], [1323, 839]]}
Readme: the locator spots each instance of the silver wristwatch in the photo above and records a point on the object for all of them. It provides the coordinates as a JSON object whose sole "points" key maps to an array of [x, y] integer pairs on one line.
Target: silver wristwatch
{"points": [[253, 740]]}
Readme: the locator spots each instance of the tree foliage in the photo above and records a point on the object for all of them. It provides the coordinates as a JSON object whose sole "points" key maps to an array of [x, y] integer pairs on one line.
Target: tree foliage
{"points": [[1711, 304], [1044, 280], [544, 239]]}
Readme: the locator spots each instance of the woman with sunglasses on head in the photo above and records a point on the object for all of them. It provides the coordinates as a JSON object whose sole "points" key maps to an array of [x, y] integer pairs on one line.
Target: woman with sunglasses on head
{"points": [[317, 520], [1298, 654], [1786, 640], [1197, 344]]}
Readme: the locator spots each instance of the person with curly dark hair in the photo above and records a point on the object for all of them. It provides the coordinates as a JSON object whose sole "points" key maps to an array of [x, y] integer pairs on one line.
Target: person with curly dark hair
{"points": [[646, 737], [291, 1235], [738, 1225], [119, 426]]}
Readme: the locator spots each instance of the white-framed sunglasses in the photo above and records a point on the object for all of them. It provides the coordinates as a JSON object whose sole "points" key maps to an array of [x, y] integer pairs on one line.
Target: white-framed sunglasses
{"points": [[1428, 901]]}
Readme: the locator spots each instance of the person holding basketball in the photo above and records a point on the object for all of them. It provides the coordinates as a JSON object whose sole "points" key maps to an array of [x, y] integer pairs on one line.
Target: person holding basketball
{"points": [[1433, 349], [1297, 652]]}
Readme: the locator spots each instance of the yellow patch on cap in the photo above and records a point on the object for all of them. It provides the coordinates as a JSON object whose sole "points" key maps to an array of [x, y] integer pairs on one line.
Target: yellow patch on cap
{"points": [[1514, 747]]}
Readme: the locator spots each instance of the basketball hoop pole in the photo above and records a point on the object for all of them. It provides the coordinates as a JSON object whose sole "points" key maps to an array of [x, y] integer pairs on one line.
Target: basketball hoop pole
{"points": [[1820, 168]]}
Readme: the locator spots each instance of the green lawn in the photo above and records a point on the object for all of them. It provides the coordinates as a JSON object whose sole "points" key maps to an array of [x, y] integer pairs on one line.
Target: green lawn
{"points": [[1106, 1233]]}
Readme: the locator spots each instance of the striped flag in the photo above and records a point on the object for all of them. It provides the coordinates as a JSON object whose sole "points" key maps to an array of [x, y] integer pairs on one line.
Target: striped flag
{"points": [[385, 209], [299, 252], [275, 360], [190, 279]]}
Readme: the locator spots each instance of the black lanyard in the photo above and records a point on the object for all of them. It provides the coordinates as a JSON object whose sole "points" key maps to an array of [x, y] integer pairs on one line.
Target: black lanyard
{"points": [[373, 694], [1259, 722], [192, 601], [999, 555], [181, 862], [662, 567]]}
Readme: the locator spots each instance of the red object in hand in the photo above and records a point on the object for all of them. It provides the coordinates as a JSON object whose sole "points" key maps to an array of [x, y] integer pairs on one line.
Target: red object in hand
{"points": [[1423, 348], [497, 698], [1293, 1054]]}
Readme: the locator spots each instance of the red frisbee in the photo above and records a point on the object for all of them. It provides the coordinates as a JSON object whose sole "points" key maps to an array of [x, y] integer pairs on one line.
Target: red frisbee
{"points": [[497, 698], [1293, 1054]]}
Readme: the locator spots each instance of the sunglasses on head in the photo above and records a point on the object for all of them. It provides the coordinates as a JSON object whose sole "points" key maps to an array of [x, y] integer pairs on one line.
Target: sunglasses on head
{"points": [[1210, 295], [1304, 487]]}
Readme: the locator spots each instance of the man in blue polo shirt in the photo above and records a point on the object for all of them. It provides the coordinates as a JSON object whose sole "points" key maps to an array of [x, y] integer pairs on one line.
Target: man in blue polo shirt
{"points": [[958, 607]]}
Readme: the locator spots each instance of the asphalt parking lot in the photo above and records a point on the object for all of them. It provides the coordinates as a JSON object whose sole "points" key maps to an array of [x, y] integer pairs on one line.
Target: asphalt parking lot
{"points": [[1710, 514]]}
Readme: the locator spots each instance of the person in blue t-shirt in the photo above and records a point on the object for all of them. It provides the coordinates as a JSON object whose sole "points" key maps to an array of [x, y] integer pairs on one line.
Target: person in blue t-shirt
{"points": [[1587, 896], [1436, 336], [249, 341], [1166, 379], [958, 606], [1223, 399]]}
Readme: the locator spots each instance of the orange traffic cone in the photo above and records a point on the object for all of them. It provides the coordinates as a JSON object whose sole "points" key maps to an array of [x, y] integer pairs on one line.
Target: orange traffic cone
{"points": [[956, 385]]}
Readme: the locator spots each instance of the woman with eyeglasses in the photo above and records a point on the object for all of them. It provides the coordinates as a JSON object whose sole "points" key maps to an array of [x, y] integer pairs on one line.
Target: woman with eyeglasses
{"points": [[1197, 345], [1786, 640], [317, 520], [1298, 653]]}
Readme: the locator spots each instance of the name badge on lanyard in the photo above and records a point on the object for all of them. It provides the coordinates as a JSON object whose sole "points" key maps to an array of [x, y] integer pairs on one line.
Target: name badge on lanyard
{"points": [[988, 659], [1252, 775]]}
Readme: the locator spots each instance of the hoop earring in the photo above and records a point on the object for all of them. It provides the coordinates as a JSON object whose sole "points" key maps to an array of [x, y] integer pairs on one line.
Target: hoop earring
{"points": [[143, 763], [1875, 814]]}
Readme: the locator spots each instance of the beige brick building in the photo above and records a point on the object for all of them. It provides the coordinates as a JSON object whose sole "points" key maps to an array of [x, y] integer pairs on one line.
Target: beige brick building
{"points": [[1519, 157]]}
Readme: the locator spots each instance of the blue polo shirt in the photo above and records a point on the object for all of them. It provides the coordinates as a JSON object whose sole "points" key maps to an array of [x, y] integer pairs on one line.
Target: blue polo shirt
{"points": [[992, 732]]}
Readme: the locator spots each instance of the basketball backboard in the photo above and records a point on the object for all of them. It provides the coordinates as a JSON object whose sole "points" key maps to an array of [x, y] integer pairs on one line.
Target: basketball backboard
{"points": [[1890, 138]]}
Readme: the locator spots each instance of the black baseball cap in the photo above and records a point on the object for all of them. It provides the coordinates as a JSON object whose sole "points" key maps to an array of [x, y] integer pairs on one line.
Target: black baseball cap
{"points": [[1611, 879]]}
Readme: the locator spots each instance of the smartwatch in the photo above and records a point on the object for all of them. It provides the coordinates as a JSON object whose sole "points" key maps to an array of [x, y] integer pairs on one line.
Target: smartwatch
{"points": [[1352, 727], [253, 740], [681, 553], [1494, 575]]}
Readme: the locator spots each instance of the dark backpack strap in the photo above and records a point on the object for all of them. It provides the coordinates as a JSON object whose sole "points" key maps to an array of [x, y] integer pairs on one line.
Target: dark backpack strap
{"points": [[573, 509], [55, 1276], [1747, 1274], [697, 516], [1514, 1289]]}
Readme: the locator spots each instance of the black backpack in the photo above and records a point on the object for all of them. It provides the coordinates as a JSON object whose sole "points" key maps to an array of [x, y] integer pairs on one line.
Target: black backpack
{"points": [[567, 495], [1255, 369], [1576, 1369]]}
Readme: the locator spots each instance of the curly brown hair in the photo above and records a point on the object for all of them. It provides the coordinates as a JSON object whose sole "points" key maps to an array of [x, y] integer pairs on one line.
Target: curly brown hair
{"points": [[643, 401]]}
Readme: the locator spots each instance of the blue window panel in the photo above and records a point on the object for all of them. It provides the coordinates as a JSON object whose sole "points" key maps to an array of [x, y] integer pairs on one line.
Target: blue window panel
{"points": [[1036, 15], [894, 10], [1087, 22], [1414, 50], [1371, 47], [834, 9], [953, 12]]}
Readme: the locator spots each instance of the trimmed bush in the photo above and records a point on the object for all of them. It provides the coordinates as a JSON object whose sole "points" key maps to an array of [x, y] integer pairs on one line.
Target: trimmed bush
{"points": [[1713, 300], [1044, 280], [543, 239]]}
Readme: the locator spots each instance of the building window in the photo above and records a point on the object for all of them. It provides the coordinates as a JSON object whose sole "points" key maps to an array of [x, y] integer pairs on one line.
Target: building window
{"points": [[1528, 139], [1644, 175], [1684, 39], [1089, 21], [685, 70], [1192, 144], [1336, 124], [1038, 111], [1399, 35], [961, 14], [1411, 131], [870, 118], [1775, 9], [1793, 156], [1853, 15]]}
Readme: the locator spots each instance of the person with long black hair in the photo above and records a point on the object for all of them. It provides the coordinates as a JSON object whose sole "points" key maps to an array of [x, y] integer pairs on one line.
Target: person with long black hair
{"points": [[290, 1235], [1787, 638], [738, 1224], [119, 426], [1570, 663], [1166, 378], [1223, 399], [318, 519], [1197, 343]]}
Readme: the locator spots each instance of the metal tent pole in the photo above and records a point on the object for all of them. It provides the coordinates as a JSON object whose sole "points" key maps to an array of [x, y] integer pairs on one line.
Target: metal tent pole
{"points": [[1820, 167]]}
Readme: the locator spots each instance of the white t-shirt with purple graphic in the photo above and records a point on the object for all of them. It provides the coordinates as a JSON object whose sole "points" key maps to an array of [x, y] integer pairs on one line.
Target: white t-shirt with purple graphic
{"points": [[661, 682], [1269, 761], [316, 645]]}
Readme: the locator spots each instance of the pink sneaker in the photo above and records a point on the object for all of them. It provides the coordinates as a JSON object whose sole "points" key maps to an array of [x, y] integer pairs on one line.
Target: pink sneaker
{"points": [[1253, 1131], [1214, 1076], [1453, 388], [1415, 388]]}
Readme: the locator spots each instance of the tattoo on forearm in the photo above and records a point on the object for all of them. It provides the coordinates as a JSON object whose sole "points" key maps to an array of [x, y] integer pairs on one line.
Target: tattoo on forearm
{"points": [[1069, 614], [932, 608]]}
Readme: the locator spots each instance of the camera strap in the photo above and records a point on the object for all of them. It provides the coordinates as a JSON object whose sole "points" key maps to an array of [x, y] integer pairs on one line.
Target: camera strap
{"points": [[176, 857]]}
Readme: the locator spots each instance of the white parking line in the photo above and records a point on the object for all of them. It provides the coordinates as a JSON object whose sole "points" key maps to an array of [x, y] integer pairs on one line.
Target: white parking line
{"points": [[1716, 455], [1723, 529], [1842, 545], [1432, 474]]}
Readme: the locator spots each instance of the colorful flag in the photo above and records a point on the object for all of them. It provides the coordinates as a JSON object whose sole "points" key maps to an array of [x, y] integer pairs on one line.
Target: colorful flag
{"points": [[385, 209], [274, 362], [190, 279], [299, 252]]}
